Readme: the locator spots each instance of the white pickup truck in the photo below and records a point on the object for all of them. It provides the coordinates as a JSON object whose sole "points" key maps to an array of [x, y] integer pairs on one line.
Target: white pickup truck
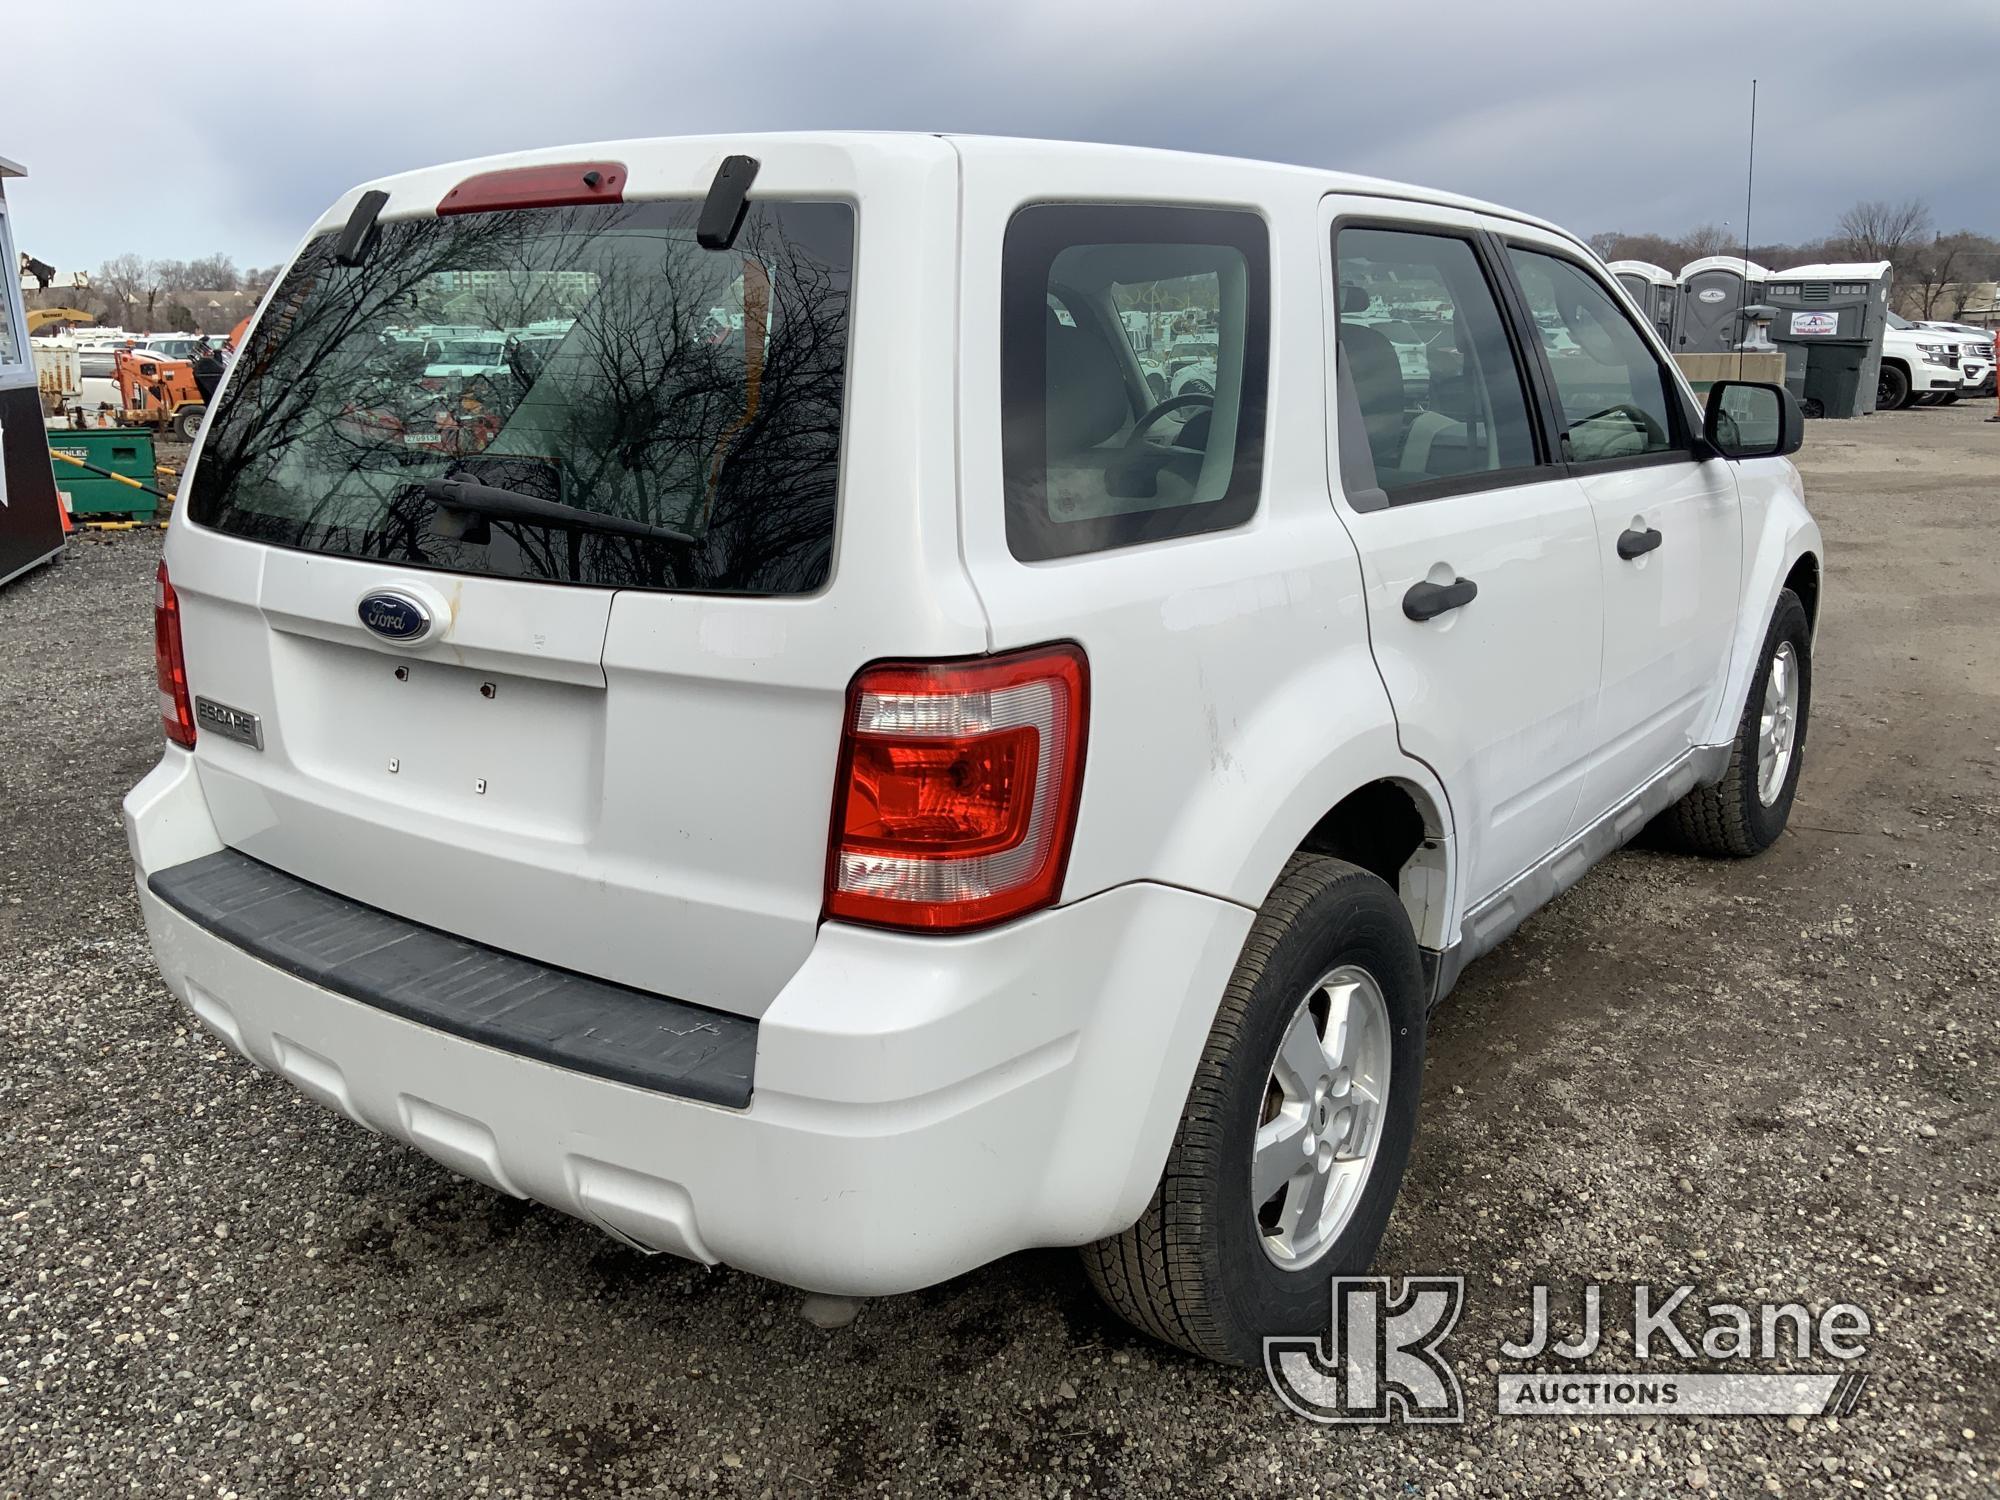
{"points": [[879, 786]]}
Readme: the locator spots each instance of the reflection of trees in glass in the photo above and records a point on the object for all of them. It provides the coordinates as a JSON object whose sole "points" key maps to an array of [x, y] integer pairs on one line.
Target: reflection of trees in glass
{"points": [[642, 407]]}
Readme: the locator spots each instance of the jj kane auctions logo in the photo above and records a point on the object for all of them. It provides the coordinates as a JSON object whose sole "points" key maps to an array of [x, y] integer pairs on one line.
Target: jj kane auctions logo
{"points": [[1381, 1359]]}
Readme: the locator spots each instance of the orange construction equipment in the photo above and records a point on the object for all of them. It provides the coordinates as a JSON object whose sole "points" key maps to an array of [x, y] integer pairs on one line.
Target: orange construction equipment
{"points": [[159, 393]]}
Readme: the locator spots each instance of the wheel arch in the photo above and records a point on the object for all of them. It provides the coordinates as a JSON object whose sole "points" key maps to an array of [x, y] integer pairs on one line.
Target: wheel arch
{"points": [[1782, 546], [1394, 828], [1803, 580], [1367, 802], [1280, 781]]}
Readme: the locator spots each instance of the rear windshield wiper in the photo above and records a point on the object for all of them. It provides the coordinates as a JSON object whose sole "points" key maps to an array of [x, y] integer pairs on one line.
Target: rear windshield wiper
{"points": [[511, 505]]}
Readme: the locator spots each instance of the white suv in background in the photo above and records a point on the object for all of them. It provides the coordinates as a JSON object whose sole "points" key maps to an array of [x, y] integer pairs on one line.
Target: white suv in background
{"points": [[1920, 367], [170, 345], [832, 772], [1976, 361]]}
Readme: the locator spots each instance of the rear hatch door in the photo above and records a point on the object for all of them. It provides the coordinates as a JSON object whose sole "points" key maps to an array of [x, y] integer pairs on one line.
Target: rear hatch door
{"points": [[605, 743]]}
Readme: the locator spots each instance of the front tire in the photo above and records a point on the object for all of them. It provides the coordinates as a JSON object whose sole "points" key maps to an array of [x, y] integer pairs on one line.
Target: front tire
{"points": [[187, 422], [1296, 1131], [1892, 389], [1744, 812]]}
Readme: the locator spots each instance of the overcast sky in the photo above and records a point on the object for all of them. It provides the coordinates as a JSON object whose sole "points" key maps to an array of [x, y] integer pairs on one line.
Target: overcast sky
{"points": [[229, 125]]}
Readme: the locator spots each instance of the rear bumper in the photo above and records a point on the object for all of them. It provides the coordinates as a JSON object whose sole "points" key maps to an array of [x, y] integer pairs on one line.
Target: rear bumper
{"points": [[921, 1105], [449, 984]]}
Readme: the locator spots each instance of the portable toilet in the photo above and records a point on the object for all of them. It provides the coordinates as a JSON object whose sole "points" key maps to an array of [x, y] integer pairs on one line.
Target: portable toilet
{"points": [[31, 529], [1713, 292], [1654, 289], [1830, 322]]}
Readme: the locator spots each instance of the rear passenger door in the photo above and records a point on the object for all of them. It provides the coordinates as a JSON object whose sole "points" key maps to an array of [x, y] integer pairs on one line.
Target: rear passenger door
{"points": [[1669, 532], [1478, 551]]}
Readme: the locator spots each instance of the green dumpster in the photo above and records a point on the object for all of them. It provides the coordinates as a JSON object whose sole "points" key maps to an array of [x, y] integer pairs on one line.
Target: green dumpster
{"points": [[122, 450]]}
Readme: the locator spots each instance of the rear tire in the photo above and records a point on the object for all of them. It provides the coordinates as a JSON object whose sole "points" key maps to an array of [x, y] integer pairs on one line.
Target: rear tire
{"points": [[1741, 815], [1892, 389], [1202, 1267], [187, 422]]}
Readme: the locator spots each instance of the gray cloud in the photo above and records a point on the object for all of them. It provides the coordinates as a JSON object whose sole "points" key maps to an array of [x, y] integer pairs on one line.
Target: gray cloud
{"points": [[1595, 115]]}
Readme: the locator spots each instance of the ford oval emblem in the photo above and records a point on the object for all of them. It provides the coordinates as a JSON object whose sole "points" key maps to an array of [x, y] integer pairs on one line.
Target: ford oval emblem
{"points": [[395, 617]]}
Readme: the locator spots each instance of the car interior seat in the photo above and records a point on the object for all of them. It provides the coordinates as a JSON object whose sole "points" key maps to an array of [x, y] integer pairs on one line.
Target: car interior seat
{"points": [[1377, 376], [1408, 449], [1087, 404]]}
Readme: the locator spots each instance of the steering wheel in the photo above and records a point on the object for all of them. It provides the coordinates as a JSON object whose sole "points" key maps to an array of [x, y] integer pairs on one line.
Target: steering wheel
{"points": [[1164, 409], [1135, 472], [1638, 416]]}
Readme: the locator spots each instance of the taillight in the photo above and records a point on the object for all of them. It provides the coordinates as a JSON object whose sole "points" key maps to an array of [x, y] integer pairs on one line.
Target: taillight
{"points": [[957, 791], [176, 712]]}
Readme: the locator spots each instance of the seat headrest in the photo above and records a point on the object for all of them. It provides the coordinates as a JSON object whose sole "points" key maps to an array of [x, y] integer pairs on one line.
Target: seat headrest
{"points": [[1377, 377], [1085, 393], [1374, 368]]}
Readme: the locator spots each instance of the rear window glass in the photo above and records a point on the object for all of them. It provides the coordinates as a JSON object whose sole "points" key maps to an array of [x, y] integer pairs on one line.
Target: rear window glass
{"points": [[1134, 351], [608, 403]]}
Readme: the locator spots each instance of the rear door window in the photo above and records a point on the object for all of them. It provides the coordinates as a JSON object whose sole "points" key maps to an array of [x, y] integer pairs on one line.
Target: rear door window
{"points": [[1432, 396], [683, 405], [1135, 345]]}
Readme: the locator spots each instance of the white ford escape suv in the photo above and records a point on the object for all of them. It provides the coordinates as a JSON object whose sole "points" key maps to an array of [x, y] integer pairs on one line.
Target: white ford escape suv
{"points": [[823, 769]]}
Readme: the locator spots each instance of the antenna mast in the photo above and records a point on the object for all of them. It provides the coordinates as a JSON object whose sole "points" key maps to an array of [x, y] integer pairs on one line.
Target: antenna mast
{"points": [[1749, 191]]}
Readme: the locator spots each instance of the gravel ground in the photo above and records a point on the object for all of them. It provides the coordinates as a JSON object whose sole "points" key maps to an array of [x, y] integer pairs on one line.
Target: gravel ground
{"points": [[1767, 1078]]}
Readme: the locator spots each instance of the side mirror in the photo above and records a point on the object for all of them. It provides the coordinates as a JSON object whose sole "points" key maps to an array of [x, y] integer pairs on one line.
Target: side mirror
{"points": [[1749, 419]]}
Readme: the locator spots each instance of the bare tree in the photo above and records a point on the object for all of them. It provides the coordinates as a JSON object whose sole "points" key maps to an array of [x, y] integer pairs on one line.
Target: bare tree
{"points": [[1931, 270], [214, 273], [130, 288], [1781, 256], [151, 292], [1879, 230], [1708, 239], [1656, 249]]}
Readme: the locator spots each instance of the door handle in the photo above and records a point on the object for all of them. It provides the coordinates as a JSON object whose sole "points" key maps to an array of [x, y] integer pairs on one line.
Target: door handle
{"points": [[1426, 601], [1636, 543]]}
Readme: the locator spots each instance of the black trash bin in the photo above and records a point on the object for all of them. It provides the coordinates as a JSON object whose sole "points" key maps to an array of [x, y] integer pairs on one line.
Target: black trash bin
{"points": [[1830, 321]]}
